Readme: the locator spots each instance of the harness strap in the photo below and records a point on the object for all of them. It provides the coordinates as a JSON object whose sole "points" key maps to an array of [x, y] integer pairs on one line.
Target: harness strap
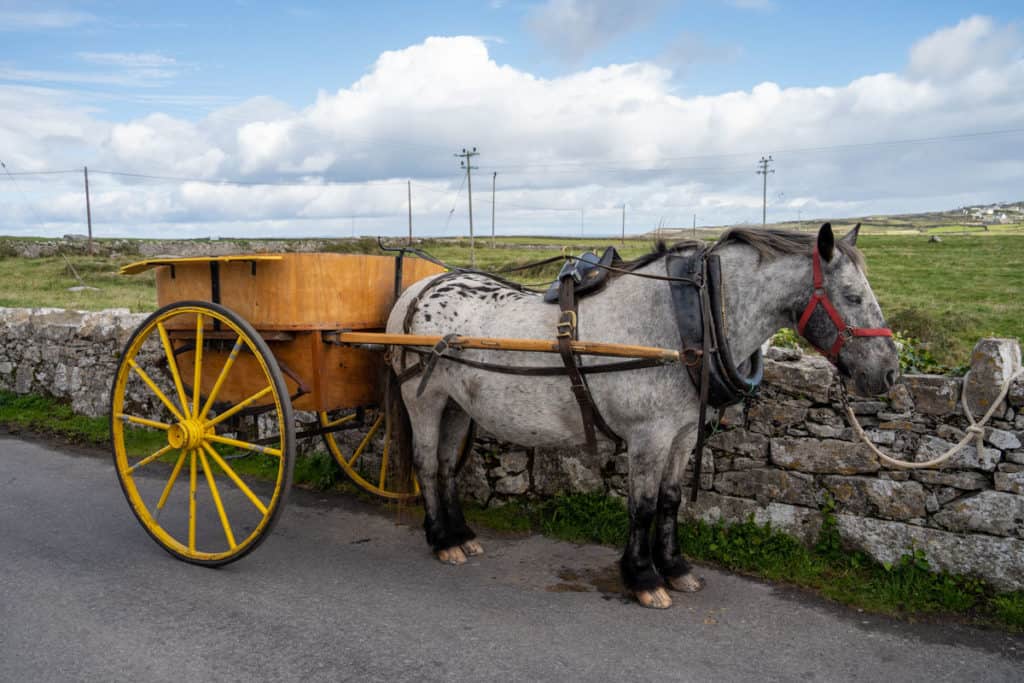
{"points": [[844, 332], [530, 370], [566, 333], [705, 369], [431, 361]]}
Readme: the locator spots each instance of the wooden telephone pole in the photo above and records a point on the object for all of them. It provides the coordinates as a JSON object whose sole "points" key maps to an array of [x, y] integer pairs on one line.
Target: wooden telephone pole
{"points": [[764, 171], [466, 163], [88, 208]]}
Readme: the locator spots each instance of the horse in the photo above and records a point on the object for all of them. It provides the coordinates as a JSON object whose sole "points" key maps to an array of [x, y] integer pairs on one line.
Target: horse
{"points": [[769, 280]]}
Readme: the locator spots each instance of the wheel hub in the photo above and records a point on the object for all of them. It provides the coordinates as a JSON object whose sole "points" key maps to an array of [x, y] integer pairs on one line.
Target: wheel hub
{"points": [[188, 434]]}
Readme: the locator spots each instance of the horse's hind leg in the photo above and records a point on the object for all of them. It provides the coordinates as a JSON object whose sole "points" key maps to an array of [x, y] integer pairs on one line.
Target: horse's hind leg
{"points": [[454, 430], [668, 559]]}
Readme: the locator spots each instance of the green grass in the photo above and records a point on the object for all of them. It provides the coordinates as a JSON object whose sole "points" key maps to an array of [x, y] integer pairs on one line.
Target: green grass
{"points": [[908, 589], [947, 294]]}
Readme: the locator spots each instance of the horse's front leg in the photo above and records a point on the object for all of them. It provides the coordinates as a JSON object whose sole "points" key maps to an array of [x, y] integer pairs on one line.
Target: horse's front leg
{"points": [[668, 559], [639, 573]]}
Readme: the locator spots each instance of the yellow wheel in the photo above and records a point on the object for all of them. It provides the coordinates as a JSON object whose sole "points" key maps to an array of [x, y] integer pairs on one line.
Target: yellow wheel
{"points": [[203, 433], [367, 460]]}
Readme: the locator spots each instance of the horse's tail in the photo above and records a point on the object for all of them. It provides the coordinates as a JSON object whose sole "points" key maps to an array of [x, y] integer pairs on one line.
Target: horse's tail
{"points": [[400, 428]]}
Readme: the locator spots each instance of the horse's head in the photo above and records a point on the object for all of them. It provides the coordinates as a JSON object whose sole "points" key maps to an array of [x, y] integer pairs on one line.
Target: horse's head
{"points": [[843, 320]]}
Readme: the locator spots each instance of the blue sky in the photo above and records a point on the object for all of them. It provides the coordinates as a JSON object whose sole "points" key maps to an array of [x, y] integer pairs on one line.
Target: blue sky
{"points": [[659, 105]]}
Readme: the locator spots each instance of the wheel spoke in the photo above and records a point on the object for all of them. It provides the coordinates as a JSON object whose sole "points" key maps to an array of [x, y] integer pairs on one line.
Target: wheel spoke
{"points": [[235, 478], [155, 389], [384, 457], [143, 421], [198, 357], [170, 482], [220, 379], [150, 458], [192, 501], [172, 363], [228, 413], [245, 445], [217, 502], [365, 441], [327, 424]]}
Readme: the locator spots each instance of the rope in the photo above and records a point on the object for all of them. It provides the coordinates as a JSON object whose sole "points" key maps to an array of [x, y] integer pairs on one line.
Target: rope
{"points": [[976, 430]]}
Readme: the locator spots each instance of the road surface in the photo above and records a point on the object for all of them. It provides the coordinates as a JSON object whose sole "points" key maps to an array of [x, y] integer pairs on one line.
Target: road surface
{"points": [[342, 591]]}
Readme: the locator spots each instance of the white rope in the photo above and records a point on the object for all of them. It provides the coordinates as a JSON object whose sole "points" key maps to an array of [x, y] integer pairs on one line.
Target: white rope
{"points": [[976, 430]]}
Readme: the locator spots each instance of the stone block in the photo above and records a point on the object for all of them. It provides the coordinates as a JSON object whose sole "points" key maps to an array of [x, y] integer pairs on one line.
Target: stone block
{"points": [[999, 561], [968, 457], [878, 497], [965, 481], [513, 462], [881, 437], [1010, 482], [810, 376], [1016, 395], [988, 512], [824, 431], [766, 485], [778, 414], [992, 361], [822, 456], [513, 485], [900, 398], [1002, 439], [934, 394], [1015, 457], [711, 507], [740, 442]]}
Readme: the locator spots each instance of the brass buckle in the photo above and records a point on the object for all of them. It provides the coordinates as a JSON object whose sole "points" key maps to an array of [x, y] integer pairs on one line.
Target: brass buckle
{"points": [[567, 324]]}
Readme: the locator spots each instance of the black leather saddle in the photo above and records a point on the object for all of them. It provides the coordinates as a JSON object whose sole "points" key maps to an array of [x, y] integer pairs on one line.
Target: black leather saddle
{"points": [[589, 274]]}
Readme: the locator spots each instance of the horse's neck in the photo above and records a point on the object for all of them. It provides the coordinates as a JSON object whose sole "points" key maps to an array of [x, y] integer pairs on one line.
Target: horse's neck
{"points": [[760, 296]]}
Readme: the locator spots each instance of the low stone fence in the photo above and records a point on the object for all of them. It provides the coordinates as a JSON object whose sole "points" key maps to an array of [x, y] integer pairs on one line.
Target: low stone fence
{"points": [[776, 460]]}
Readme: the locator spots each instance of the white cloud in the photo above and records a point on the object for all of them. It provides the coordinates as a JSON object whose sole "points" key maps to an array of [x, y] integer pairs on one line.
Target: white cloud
{"points": [[594, 138], [574, 28], [133, 60], [11, 20], [975, 43]]}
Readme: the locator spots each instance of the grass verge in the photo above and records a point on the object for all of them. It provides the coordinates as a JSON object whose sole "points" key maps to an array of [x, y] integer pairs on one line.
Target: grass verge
{"points": [[908, 589]]}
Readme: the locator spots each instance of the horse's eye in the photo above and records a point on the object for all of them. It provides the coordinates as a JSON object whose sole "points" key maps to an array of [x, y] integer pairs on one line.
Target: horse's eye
{"points": [[853, 299]]}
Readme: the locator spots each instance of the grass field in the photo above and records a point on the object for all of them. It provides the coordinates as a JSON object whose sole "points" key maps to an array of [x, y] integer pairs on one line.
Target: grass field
{"points": [[947, 294]]}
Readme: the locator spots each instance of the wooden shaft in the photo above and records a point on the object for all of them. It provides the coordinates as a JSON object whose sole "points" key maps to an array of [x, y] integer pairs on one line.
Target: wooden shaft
{"points": [[538, 345]]}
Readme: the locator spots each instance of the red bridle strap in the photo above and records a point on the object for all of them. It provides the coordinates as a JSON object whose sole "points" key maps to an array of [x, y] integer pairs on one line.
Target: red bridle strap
{"points": [[844, 332]]}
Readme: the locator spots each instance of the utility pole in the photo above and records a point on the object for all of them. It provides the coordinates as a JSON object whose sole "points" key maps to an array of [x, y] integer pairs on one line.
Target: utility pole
{"points": [[88, 207], [494, 181], [764, 171], [408, 186], [623, 241], [466, 163]]}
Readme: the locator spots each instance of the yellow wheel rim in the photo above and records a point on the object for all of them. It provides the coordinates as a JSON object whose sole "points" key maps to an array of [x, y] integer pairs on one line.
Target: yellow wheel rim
{"points": [[186, 365], [379, 479]]}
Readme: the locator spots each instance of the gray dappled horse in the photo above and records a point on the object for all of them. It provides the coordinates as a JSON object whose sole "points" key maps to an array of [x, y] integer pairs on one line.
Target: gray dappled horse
{"points": [[766, 285]]}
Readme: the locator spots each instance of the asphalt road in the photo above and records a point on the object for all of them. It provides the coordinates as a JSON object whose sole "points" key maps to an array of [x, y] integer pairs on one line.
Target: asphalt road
{"points": [[344, 592]]}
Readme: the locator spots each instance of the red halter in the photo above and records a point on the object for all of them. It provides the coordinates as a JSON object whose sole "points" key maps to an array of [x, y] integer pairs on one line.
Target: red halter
{"points": [[844, 332]]}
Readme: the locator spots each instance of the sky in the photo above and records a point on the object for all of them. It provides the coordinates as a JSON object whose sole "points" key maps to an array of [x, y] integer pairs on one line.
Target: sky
{"points": [[260, 119]]}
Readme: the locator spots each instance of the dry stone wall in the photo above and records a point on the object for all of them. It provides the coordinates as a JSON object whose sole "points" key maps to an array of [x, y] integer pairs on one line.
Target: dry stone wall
{"points": [[775, 460]]}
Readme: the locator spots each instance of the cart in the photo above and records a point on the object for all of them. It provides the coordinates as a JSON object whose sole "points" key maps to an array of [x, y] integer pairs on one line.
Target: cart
{"points": [[210, 383]]}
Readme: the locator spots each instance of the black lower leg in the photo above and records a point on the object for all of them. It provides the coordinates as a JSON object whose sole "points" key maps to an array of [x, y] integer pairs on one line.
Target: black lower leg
{"points": [[638, 572], [456, 530], [667, 558]]}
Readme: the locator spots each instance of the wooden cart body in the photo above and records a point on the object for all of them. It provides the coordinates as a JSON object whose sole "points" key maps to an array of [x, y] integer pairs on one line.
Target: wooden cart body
{"points": [[297, 302]]}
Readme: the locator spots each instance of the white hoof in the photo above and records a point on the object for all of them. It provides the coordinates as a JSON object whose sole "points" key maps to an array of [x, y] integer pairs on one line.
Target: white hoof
{"points": [[654, 599], [453, 555], [472, 548], [687, 583]]}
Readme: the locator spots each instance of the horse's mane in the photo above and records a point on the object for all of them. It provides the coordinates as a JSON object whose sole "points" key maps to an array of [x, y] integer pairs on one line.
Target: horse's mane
{"points": [[771, 243], [768, 243]]}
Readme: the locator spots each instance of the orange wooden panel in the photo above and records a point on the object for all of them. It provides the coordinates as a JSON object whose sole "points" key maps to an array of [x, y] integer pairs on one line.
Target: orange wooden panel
{"points": [[333, 376], [299, 292]]}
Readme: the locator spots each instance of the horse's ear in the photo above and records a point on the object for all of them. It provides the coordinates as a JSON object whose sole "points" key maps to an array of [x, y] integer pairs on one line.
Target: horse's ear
{"points": [[826, 242], [851, 237]]}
